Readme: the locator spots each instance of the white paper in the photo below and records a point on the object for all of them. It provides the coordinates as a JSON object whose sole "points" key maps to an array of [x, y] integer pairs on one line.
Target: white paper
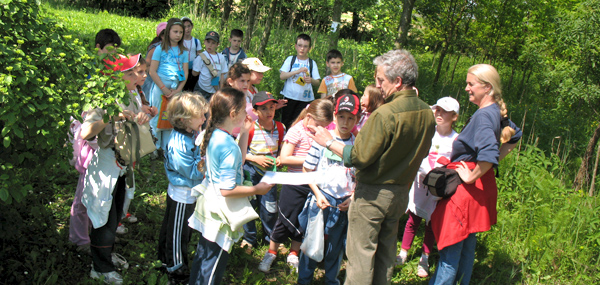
{"points": [[334, 26], [288, 178]]}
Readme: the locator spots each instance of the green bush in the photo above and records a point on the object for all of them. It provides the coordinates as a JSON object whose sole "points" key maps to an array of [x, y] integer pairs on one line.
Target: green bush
{"points": [[44, 82]]}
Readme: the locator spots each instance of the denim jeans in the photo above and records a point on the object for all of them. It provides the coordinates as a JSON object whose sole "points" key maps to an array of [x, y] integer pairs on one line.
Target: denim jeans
{"points": [[267, 209], [456, 263], [336, 227]]}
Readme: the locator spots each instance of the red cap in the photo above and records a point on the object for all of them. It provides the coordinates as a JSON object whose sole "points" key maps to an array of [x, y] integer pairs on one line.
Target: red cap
{"points": [[123, 63], [349, 103]]}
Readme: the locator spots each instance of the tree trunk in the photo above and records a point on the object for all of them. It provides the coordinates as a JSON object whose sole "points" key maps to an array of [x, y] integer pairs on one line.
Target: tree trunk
{"points": [[454, 68], [251, 18], [591, 193], [440, 63], [582, 174], [293, 16], [407, 7], [267, 31], [354, 28], [337, 17], [205, 8], [226, 11]]}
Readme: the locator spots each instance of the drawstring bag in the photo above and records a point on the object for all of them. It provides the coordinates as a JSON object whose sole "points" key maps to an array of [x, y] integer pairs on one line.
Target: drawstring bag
{"points": [[442, 182], [314, 241], [163, 120]]}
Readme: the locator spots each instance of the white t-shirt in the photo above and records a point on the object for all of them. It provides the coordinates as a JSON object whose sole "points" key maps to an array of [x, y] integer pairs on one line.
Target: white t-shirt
{"points": [[292, 88], [205, 79], [420, 202], [193, 46]]}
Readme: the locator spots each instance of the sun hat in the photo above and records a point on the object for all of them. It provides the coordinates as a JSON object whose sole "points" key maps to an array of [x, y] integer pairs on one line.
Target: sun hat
{"points": [[449, 104], [254, 64]]}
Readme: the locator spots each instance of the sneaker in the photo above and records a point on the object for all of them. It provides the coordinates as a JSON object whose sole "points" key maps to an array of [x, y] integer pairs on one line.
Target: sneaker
{"points": [[247, 246], [131, 218], [423, 269], [109, 278], [119, 261], [293, 260], [265, 264], [400, 260], [121, 229]]}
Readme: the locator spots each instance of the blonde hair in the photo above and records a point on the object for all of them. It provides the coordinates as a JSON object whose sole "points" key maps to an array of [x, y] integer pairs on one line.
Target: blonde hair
{"points": [[183, 107], [321, 110], [488, 75]]}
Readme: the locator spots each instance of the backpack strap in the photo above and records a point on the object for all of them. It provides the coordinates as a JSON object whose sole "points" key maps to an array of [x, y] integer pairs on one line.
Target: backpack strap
{"points": [[209, 65], [310, 66], [280, 132], [292, 62]]}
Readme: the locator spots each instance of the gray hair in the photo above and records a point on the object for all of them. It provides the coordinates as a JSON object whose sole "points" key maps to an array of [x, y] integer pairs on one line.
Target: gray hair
{"points": [[399, 63]]}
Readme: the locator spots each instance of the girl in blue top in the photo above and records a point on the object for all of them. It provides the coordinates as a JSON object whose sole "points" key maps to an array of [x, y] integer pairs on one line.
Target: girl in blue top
{"points": [[224, 170], [168, 70], [184, 171]]}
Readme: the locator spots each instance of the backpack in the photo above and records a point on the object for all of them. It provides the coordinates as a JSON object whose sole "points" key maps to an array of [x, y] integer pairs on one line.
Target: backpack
{"points": [[310, 64], [132, 141], [279, 132]]}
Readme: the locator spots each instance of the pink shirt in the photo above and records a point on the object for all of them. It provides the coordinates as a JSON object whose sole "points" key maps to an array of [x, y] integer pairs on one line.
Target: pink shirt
{"points": [[297, 135]]}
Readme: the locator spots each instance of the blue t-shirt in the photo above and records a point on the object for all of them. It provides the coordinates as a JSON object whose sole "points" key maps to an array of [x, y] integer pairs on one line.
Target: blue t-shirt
{"points": [[480, 139], [224, 161], [170, 62]]}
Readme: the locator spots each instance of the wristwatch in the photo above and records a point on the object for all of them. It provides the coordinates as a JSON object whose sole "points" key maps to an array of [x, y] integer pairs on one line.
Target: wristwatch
{"points": [[328, 143]]}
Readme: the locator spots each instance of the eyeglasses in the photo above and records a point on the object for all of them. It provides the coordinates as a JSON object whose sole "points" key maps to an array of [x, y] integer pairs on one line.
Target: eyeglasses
{"points": [[303, 46]]}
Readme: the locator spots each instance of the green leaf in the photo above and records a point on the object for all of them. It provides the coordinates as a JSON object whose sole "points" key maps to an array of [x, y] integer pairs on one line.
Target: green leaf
{"points": [[5, 131], [17, 132], [6, 141], [40, 122], [3, 194]]}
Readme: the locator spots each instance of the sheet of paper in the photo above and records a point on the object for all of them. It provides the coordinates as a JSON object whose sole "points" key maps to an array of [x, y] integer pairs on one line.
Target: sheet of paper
{"points": [[287, 178]]}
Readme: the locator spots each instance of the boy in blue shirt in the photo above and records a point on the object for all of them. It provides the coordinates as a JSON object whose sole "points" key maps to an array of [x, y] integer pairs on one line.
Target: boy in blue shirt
{"points": [[234, 53], [300, 74]]}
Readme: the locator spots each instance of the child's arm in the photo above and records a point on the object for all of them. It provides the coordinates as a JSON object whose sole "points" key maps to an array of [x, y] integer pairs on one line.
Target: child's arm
{"points": [[197, 66], [243, 139], [244, 191], [185, 163], [286, 155], [154, 75], [261, 160], [321, 200], [346, 204]]}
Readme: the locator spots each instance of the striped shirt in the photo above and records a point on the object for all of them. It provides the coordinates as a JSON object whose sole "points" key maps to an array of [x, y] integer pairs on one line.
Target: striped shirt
{"points": [[297, 136], [264, 143]]}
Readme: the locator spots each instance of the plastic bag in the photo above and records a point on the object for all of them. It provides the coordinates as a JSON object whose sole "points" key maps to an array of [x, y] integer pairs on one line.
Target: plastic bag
{"points": [[314, 240]]}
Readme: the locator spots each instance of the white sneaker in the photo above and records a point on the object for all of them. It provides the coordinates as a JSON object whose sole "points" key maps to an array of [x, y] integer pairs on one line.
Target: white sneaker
{"points": [[131, 218], [265, 264], [121, 229], [109, 278], [293, 260], [119, 261]]}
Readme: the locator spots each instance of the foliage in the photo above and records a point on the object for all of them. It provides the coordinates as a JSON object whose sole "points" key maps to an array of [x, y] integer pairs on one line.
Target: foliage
{"points": [[42, 85], [154, 9]]}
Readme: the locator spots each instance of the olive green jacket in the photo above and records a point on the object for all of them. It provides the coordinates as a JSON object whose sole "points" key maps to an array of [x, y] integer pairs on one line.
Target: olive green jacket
{"points": [[391, 145]]}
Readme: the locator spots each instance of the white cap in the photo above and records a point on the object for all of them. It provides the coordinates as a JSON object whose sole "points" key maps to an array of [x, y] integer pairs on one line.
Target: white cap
{"points": [[448, 104], [255, 64]]}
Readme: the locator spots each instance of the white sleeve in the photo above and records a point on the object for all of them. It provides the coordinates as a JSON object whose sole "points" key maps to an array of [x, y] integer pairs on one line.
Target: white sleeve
{"points": [[198, 64], [224, 68], [315, 71]]}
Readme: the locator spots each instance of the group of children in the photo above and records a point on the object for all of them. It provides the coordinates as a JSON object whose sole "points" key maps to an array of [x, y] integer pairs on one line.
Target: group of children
{"points": [[232, 150]]}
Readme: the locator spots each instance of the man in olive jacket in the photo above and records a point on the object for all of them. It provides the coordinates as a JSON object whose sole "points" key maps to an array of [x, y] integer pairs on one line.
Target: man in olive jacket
{"points": [[386, 154]]}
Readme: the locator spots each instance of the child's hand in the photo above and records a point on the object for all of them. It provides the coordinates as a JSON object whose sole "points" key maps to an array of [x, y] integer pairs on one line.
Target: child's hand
{"points": [[301, 69], [169, 93], [322, 201], [263, 161], [150, 110], [281, 103], [263, 188], [247, 124], [278, 162], [126, 115], [307, 79], [345, 205], [141, 118]]}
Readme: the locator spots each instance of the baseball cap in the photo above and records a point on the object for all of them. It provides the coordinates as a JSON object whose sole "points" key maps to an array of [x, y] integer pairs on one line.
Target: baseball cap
{"points": [[212, 35], [122, 62], [160, 28], [349, 103], [449, 104], [253, 63], [183, 19], [262, 98]]}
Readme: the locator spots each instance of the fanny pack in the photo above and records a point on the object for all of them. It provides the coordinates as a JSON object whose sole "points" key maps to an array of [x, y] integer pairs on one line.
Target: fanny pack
{"points": [[442, 182]]}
